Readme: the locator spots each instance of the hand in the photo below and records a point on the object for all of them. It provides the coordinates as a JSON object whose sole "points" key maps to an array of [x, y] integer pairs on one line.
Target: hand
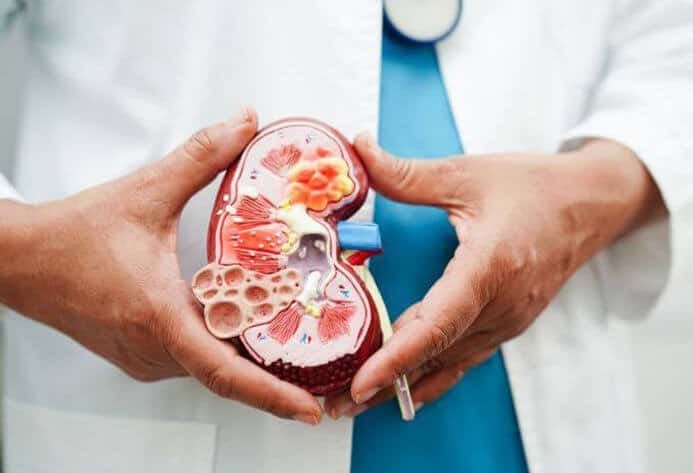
{"points": [[101, 267], [525, 223]]}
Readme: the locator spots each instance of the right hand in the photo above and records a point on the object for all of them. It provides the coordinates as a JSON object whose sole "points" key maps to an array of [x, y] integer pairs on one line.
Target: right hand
{"points": [[101, 266]]}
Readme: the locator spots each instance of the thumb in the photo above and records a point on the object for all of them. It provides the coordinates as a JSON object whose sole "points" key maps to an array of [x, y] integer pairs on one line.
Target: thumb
{"points": [[414, 181], [427, 329], [195, 163]]}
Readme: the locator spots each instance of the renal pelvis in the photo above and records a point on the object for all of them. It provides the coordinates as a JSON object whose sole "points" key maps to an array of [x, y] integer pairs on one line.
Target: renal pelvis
{"points": [[278, 279]]}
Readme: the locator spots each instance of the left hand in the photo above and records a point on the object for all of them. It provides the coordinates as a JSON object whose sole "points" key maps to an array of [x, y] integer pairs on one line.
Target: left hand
{"points": [[525, 224]]}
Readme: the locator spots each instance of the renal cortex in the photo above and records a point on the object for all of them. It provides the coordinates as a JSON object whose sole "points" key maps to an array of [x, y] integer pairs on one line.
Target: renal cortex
{"points": [[283, 273]]}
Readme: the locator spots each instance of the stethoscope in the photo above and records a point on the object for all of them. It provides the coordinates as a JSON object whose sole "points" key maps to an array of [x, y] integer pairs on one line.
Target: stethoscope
{"points": [[423, 21]]}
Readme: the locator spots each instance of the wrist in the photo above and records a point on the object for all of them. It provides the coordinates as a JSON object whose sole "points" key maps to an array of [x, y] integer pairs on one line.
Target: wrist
{"points": [[622, 192], [18, 234]]}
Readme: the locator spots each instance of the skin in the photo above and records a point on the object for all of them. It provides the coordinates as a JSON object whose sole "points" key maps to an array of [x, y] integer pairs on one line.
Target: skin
{"points": [[101, 267], [525, 224]]}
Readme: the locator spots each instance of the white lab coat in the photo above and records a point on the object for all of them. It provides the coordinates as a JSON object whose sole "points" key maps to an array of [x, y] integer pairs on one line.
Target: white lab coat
{"points": [[114, 85]]}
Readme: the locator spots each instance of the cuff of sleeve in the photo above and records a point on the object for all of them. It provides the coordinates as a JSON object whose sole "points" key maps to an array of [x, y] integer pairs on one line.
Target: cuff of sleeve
{"points": [[649, 270]]}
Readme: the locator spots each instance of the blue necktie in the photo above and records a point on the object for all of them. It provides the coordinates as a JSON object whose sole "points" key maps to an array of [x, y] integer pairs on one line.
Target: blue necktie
{"points": [[473, 427]]}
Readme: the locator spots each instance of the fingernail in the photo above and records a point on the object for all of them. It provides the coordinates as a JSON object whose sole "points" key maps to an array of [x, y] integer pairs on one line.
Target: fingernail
{"points": [[356, 410], [365, 396], [310, 419], [418, 406]]}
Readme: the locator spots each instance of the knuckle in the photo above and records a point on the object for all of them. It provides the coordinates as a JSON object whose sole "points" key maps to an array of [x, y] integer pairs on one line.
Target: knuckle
{"points": [[403, 171], [398, 366], [136, 326], [172, 341], [567, 261], [496, 280], [432, 365], [515, 330], [454, 179], [218, 381], [516, 326], [523, 323], [538, 297], [199, 145], [272, 405], [440, 336], [517, 262], [144, 375], [481, 285], [166, 329], [450, 167], [138, 314]]}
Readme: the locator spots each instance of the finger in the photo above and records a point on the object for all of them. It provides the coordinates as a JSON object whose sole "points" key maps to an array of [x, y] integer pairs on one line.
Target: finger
{"points": [[148, 368], [434, 385], [448, 363], [342, 404], [468, 351], [196, 162], [425, 182], [464, 348], [405, 317], [218, 366], [447, 310], [458, 354], [428, 382]]}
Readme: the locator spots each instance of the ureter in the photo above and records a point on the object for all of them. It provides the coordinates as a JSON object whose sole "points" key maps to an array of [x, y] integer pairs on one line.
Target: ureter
{"points": [[401, 385]]}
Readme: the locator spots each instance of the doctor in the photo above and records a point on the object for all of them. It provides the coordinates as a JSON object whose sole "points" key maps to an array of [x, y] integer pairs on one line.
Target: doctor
{"points": [[575, 120]]}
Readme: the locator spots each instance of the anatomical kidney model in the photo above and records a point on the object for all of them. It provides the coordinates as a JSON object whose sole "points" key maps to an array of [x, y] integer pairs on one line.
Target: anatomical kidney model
{"points": [[284, 274]]}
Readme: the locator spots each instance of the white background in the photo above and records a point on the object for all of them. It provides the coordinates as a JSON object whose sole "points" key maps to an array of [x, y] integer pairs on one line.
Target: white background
{"points": [[663, 352]]}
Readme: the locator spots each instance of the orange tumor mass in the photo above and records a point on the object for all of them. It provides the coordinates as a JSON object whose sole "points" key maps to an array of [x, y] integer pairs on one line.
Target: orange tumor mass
{"points": [[319, 182], [302, 172]]}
